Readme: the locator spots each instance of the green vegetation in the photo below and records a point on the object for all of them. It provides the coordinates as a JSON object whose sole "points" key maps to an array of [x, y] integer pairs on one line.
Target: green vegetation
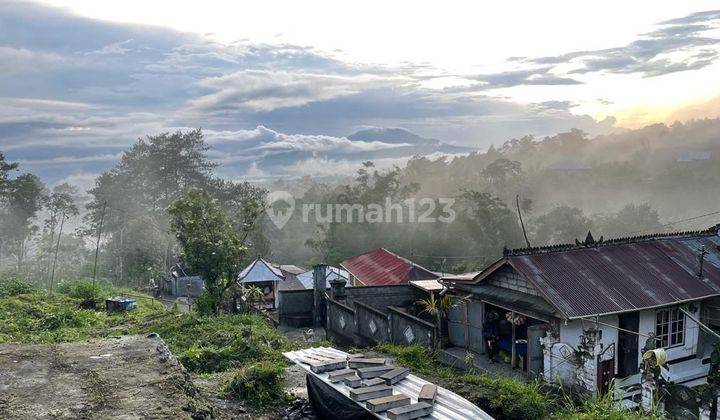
{"points": [[245, 348], [509, 398], [258, 384]]}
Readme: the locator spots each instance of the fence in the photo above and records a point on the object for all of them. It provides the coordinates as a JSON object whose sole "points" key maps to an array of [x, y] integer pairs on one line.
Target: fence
{"points": [[365, 325]]}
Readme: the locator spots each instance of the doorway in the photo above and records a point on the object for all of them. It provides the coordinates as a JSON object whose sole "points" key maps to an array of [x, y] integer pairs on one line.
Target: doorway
{"points": [[627, 354]]}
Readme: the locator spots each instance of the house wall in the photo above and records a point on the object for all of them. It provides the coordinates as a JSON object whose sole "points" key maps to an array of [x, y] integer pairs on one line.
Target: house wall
{"points": [[557, 368], [508, 278], [380, 297]]}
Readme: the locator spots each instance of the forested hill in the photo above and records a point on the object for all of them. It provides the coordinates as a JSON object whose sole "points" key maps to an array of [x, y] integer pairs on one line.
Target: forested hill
{"points": [[640, 181]]}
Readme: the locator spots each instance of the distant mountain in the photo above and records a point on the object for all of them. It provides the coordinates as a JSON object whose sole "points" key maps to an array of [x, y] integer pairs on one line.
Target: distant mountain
{"points": [[422, 145]]}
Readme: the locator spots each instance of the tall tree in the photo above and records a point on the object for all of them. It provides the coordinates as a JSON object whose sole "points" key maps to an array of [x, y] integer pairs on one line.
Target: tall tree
{"points": [[210, 244], [25, 196]]}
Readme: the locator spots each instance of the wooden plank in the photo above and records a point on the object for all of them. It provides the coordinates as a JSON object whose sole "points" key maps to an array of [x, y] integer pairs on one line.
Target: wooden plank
{"points": [[363, 362], [353, 381], [335, 364], [339, 375], [374, 371], [412, 411], [427, 393], [373, 382], [377, 405], [369, 392], [395, 376]]}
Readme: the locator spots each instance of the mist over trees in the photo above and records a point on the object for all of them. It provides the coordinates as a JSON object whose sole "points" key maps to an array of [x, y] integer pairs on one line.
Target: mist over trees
{"points": [[658, 178]]}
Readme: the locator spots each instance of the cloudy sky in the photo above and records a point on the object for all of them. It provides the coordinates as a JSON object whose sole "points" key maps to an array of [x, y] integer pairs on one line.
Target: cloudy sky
{"points": [[293, 88]]}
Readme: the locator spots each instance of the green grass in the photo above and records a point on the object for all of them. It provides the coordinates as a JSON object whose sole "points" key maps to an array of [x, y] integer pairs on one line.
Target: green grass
{"points": [[509, 398], [244, 346]]}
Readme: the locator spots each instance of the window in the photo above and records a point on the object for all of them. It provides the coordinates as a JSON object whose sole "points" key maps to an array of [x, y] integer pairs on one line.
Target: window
{"points": [[670, 327]]}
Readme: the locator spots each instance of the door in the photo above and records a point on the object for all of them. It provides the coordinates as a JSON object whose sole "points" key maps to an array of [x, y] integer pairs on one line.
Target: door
{"points": [[534, 349], [627, 349], [605, 374], [475, 322], [457, 325]]}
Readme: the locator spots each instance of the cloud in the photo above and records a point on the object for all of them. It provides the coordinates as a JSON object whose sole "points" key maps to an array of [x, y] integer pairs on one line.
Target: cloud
{"points": [[681, 44], [265, 90]]}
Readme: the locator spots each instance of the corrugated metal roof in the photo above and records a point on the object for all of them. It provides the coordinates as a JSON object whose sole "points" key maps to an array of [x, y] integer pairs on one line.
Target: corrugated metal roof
{"points": [[260, 270], [448, 405], [427, 285], [332, 273], [622, 276], [382, 267]]}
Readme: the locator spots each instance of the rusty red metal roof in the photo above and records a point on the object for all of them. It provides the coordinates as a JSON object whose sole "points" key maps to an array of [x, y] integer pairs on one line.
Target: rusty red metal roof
{"points": [[382, 267], [621, 275]]}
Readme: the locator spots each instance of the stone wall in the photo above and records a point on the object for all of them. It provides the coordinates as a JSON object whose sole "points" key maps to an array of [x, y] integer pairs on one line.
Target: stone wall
{"points": [[340, 324], [372, 324]]}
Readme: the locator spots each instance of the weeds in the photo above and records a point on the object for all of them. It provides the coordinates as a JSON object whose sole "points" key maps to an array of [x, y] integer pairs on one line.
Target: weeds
{"points": [[259, 385]]}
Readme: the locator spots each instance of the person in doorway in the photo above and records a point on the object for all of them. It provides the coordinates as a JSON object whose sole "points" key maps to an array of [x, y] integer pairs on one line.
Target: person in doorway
{"points": [[490, 334]]}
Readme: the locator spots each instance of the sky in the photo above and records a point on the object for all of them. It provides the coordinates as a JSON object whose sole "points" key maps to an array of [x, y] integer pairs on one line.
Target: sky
{"points": [[287, 88]]}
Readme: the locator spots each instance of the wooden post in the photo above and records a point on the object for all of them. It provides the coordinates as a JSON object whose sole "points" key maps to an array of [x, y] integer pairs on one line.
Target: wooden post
{"points": [[513, 353]]}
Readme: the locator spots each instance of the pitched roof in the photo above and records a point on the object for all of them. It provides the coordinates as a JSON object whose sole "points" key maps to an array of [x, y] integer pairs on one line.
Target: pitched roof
{"points": [[260, 270], [382, 267], [621, 275]]}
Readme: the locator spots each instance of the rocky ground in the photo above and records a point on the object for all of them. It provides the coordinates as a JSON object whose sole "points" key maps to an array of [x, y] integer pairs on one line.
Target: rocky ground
{"points": [[126, 377]]}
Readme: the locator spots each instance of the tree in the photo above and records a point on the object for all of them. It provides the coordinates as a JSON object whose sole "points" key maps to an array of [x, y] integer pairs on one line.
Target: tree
{"points": [[562, 224], [24, 197], [151, 175], [631, 219], [210, 244]]}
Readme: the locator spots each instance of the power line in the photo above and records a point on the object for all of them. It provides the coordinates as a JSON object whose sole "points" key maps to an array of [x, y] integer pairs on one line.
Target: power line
{"points": [[680, 221]]}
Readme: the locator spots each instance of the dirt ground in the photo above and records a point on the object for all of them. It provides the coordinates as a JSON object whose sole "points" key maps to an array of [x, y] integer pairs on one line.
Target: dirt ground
{"points": [[125, 378]]}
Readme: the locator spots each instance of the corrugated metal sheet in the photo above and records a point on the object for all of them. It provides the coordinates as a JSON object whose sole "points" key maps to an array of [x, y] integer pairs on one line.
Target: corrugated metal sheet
{"points": [[381, 267], [427, 285], [260, 270], [448, 405], [333, 273], [620, 277]]}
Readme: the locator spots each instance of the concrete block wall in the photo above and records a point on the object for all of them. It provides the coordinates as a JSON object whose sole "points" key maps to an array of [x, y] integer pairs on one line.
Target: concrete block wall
{"points": [[372, 324], [508, 278], [296, 307], [404, 325], [340, 325], [380, 297]]}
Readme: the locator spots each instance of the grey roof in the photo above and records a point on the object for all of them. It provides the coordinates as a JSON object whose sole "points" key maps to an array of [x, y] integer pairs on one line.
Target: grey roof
{"points": [[621, 275]]}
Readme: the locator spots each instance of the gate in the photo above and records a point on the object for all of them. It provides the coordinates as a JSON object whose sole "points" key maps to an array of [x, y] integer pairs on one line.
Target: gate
{"points": [[457, 324], [475, 321]]}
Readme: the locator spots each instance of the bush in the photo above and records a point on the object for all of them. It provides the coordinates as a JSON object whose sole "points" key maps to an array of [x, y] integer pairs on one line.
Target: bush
{"points": [[260, 384], [504, 397], [13, 286]]}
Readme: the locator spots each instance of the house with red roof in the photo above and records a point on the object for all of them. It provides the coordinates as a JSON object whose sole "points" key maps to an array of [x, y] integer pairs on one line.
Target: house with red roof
{"points": [[381, 267]]}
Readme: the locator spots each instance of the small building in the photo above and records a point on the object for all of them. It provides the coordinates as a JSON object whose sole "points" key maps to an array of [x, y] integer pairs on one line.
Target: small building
{"points": [[381, 267], [271, 278], [584, 314], [182, 282]]}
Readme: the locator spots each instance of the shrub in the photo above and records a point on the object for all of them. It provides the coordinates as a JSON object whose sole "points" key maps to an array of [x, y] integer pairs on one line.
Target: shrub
{"points": [[13, 286], [260, 384], [504, 397]]}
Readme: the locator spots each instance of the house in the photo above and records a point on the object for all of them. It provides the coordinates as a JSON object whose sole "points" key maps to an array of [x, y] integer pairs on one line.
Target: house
{"points": [[270, 278], [585, 313], [381, 267]]}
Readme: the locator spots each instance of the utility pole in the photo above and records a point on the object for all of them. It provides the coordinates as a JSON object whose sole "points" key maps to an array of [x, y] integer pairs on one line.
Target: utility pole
{"points": [[57, 247], [522, 225], [97, 243]]}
